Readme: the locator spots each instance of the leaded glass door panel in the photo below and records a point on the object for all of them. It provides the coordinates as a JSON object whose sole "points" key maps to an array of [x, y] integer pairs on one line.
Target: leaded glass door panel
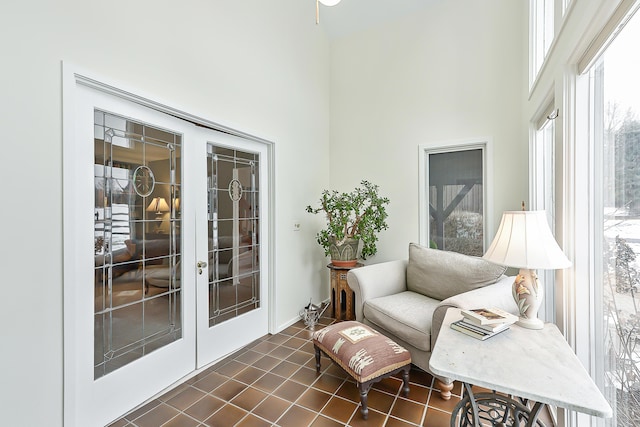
{"points": [[232, 191], [231, 301], [136, 240]]}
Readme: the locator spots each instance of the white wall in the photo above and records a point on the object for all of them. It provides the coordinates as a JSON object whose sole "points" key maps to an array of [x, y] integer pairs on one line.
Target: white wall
{"points": [[454, 70], [260, 67]]}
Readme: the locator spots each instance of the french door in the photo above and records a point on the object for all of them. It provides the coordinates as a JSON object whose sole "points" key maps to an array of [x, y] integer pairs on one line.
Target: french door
{"points": [[176, 275], [231, 294]]}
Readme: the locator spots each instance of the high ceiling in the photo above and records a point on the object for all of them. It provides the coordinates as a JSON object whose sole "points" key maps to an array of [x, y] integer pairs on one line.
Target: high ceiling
{"points": [[351, 16]]}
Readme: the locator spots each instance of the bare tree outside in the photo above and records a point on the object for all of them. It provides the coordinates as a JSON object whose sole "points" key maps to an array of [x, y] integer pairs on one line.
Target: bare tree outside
{"points": [[617, 115], [621, 281]]}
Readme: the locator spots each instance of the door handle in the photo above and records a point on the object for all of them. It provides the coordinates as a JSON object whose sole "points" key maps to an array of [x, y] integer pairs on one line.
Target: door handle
{"points": [[201, 265]]}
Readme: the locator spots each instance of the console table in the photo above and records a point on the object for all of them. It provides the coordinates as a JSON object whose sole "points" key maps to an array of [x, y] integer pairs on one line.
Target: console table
{"points": [[340, 288], [530, 364]]}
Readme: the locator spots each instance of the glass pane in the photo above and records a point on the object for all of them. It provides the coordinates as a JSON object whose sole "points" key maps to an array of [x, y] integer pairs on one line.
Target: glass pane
{"points": [[456, 201], [620, 204], [233, 234], [137, 240], [543, 198], [543, 33]]}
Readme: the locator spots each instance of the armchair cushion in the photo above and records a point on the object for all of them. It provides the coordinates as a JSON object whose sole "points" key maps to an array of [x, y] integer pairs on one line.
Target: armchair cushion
{"points": [[407, 315], [441, 274]]}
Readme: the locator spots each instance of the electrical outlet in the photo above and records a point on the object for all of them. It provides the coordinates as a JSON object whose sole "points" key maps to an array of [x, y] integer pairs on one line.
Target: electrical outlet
{"points": [[296, 226]]}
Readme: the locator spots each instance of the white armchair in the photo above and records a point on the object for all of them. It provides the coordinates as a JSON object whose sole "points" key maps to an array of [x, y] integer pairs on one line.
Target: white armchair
{"points": [[407, 300]]}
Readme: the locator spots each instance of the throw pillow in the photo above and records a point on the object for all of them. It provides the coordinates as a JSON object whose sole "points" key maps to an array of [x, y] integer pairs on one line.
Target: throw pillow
{"points": [[441, 274]]}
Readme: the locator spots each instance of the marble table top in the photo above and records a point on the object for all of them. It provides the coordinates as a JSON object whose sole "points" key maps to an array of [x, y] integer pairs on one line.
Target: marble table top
{"points": [[532, 364]]}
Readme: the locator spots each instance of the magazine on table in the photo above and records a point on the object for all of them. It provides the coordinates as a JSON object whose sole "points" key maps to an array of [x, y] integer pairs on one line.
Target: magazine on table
{"points": [[486, 328], [475, 332], [488, 316]]}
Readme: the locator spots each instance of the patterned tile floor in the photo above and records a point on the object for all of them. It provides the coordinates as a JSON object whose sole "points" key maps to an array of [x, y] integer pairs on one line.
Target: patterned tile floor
{"points": [[273, 382]]}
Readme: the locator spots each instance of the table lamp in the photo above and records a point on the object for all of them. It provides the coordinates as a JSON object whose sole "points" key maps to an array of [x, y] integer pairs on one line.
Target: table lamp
{"points": [[524, 241], [158, 205]]}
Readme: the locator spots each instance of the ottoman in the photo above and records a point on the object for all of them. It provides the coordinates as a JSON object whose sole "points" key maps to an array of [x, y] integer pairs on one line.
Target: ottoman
{"points": [[364, 354]]}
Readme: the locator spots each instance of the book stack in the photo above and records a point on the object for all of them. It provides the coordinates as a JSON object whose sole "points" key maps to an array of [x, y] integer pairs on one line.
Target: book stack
{"points": [[483, 323]]}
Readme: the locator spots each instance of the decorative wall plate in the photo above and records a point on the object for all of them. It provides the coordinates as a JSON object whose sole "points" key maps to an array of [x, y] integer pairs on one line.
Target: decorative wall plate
{"points": [[235, 190], [143, 181]]}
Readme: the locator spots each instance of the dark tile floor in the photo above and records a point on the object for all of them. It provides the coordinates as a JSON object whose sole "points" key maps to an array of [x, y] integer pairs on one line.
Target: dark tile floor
{"points": [[273, 382]]}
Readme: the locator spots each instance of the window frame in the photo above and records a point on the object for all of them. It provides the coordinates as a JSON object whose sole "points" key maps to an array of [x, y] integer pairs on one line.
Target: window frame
{"points": [[577, 309], [542, 189], [542, 27], [561, 10]]}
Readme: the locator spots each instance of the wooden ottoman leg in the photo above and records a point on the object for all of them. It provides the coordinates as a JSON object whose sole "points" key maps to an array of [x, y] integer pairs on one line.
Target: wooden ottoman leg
{"points": [[317, 358], [405, 380], [364, 391], [445, 389]]}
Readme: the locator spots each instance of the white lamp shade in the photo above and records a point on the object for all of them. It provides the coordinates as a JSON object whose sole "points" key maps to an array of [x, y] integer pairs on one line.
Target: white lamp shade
{"points": [[524, 240], [158, 204], [329, 2]]}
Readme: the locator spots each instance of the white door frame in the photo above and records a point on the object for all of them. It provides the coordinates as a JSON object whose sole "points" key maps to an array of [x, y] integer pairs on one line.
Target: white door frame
{"points": [[72, 78]]}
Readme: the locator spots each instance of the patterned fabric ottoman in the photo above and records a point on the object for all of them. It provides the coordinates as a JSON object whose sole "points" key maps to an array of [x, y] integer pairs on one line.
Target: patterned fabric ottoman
{"points": [[364, 353]]}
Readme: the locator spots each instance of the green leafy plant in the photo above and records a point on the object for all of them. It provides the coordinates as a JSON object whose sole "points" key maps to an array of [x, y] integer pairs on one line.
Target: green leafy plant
{"points": [[360, 214]]}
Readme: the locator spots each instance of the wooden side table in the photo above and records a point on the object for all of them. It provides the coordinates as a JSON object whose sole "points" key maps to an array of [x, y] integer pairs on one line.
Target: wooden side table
{"points": [[341, 292]]}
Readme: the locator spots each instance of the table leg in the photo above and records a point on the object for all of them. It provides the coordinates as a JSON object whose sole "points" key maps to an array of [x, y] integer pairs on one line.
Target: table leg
{"points": [[335, 302], [535, 411], [493, 409], [473, 403]]}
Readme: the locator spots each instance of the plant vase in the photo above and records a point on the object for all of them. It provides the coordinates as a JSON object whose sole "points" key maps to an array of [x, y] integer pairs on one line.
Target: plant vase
{"points": [[344, 252]]}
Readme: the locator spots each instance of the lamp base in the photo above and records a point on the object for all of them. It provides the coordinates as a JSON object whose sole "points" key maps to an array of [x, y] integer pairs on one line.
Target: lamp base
{"points": [[528, 294], [530, 323]]}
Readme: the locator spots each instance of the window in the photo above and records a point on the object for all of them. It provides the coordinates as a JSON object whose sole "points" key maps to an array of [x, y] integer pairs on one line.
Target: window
{"points": [[546, 18], [615, 101], [541, 27], [454, 197]]}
